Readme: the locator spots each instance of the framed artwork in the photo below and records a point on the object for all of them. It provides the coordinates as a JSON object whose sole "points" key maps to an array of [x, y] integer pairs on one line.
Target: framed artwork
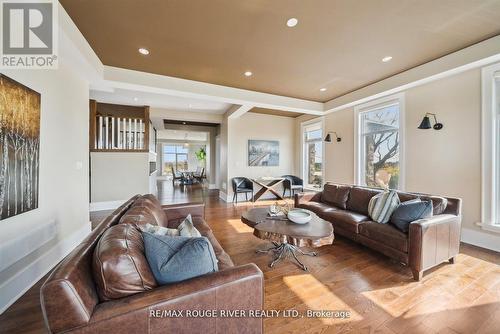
{"points": [[19, 147], [263, 152]]}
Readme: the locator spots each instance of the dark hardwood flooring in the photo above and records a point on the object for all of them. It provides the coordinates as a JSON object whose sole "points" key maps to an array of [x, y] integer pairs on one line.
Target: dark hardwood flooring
{"points": [[380, 294]]}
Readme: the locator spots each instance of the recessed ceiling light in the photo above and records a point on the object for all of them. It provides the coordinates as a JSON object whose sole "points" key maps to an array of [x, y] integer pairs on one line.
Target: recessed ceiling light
{"points": [[322, 89], [248, 74], [136, 99], [143, 51], [386, 59], [292, 22]]}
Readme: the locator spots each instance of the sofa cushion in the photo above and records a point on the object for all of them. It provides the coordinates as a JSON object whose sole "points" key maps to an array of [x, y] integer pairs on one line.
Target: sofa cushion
{"points": [[317, 207], [385, 234], [119, 266], [346, 220], [152, 198], [410, 211], [175, 259], [137, 216], [359, 198], [405, 197], [439, 203], [336, 195], [382, 206], [154, 206]]}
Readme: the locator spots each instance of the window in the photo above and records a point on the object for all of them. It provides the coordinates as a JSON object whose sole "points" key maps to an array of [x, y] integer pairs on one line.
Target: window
{"points": [[496, 107], [312, 157], [490, 216], [379, 149], [174, 156]]}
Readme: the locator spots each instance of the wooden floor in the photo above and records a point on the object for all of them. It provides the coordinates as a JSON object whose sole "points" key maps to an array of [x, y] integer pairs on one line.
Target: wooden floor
{"points": [[379, 294]]}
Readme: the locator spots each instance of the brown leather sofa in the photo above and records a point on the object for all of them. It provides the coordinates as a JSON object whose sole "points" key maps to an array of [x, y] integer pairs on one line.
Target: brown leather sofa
{"points": [[84, 293], [428, 243]]}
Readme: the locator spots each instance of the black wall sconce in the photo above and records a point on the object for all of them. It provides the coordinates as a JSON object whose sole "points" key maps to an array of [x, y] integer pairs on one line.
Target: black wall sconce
{"points": [[426, 123], [328, 138]]}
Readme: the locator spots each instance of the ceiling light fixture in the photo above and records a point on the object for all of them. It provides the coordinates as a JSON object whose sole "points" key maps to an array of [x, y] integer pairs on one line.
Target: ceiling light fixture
{"points": [[248, 74], [386, 59], [292, 22], [136, 99], [143, 51], [322, 89]]}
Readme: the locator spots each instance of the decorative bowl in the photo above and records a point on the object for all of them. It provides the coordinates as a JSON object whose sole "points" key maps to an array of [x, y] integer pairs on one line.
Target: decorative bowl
{"points": [[299, 216]]}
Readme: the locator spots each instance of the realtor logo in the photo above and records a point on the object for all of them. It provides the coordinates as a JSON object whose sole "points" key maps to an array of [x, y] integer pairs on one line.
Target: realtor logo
{"points": [[29, 34]]}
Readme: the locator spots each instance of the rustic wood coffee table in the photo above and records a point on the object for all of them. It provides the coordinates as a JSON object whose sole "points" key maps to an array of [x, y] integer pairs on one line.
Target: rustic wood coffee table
{"points": [[286, 236]]}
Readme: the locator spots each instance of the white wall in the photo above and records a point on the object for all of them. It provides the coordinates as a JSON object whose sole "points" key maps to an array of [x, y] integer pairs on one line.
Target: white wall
{"points": [[193, 162], [63, 189], [445, 162], [117, 176], [263, 127]]}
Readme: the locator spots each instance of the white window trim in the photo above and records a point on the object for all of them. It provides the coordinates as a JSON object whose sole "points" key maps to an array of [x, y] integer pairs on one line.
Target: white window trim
{"points": [[375, 104], [303, 125], [489, 152]]}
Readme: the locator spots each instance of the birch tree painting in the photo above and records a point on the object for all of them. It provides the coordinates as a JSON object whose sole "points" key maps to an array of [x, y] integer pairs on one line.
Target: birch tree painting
{"points": [[19, 147]]}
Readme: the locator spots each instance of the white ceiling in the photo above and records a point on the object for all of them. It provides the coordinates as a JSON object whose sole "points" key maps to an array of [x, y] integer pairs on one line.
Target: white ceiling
{"points": [[183, 135], [127, 97]]}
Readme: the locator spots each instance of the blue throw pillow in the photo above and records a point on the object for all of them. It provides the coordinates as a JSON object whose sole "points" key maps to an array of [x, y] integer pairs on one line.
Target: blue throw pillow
{"points": [[410, 211], [174, 259]]}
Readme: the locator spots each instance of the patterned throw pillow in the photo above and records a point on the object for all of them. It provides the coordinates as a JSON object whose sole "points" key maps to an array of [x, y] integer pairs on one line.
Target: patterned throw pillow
{"points": [[382, 206], [187, 229], [159, 230]]}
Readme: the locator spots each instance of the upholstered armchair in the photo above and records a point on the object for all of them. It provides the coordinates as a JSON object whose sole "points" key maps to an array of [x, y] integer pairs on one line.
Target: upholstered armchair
{"points": [[241, 185], [292, 184]]}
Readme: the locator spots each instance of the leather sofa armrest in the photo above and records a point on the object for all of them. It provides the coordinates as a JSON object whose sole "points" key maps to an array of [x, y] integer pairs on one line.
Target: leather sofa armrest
{"points": [[307, 197], [432, 241], [176, 212], [236, 288]]}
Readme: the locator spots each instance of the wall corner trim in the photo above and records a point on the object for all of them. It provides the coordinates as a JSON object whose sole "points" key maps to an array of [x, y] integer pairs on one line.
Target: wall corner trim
{"points": [[16, 286]]}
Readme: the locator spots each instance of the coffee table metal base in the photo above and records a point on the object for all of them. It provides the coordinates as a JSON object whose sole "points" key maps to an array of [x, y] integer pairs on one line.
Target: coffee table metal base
{"points": [[284, 251]]}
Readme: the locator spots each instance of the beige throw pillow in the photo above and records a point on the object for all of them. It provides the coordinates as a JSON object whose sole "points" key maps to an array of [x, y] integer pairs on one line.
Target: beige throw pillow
{"points": [[187, 229], [160, 230]]}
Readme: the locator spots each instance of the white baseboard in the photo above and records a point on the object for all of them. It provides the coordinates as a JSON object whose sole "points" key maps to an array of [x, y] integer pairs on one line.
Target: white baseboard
{"points": [[241, 197], [481, 239], [17, 285], [22, 244], [212, 186], [111, 205]]}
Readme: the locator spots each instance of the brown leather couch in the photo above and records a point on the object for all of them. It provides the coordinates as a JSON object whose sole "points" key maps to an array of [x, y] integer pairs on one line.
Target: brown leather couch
{"points": [[428, 243], [105, 284]]}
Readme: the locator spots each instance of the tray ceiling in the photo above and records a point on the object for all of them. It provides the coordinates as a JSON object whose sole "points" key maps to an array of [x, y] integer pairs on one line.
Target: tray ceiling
{"points": [[336, 45]]}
